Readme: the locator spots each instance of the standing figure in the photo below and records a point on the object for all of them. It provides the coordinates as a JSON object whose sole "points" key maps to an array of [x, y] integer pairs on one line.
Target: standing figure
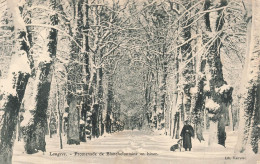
{"points": [[186, 133]]}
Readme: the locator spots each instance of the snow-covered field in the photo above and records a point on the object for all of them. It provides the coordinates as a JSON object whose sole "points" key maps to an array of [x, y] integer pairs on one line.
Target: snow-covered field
{"points": [[154, 146]]}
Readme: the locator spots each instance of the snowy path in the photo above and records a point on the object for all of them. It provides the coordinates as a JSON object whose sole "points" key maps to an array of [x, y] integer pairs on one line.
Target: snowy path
{"points": [[132, 142]]}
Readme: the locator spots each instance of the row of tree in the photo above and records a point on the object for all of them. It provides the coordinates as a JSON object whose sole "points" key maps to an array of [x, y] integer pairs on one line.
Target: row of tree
{"points": [[185, 47], [82, 68]]}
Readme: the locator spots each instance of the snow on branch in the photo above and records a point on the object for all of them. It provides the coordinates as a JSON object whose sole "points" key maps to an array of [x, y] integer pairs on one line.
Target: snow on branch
{"points": [[62, 31], [194, 90], [211, 105], [223, 88]]}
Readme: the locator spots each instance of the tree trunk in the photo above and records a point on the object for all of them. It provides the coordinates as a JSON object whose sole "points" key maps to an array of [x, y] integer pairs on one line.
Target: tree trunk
{"points": [[59, 114], [177, 125], [75, 74], [109, 105], [163, 90], [73, 124], [10, 118], [100, 99], [214, 23], [249, 130], [35, 139], [13, 100], [187, 74], [230, 116], [213, 133], [84, 16], [95, 121], [199, 95]]}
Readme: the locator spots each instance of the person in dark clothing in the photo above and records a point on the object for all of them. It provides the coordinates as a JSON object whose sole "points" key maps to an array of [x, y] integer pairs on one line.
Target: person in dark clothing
{"points": [[186, 133]]}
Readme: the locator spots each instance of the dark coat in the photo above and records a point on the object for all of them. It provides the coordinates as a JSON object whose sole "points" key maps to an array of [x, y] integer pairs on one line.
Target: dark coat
{"points": [[186, 133]]}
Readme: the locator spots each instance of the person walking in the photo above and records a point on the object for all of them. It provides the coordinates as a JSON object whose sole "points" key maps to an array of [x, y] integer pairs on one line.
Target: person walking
{"points": [[186, 133]]}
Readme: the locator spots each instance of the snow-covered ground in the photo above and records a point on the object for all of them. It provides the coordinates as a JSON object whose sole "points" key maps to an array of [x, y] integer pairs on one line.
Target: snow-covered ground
{"points": [[154, 146]]}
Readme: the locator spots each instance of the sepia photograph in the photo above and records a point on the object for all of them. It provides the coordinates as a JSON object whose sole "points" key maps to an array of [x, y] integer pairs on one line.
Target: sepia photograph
{"points": [[129, 81]]}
